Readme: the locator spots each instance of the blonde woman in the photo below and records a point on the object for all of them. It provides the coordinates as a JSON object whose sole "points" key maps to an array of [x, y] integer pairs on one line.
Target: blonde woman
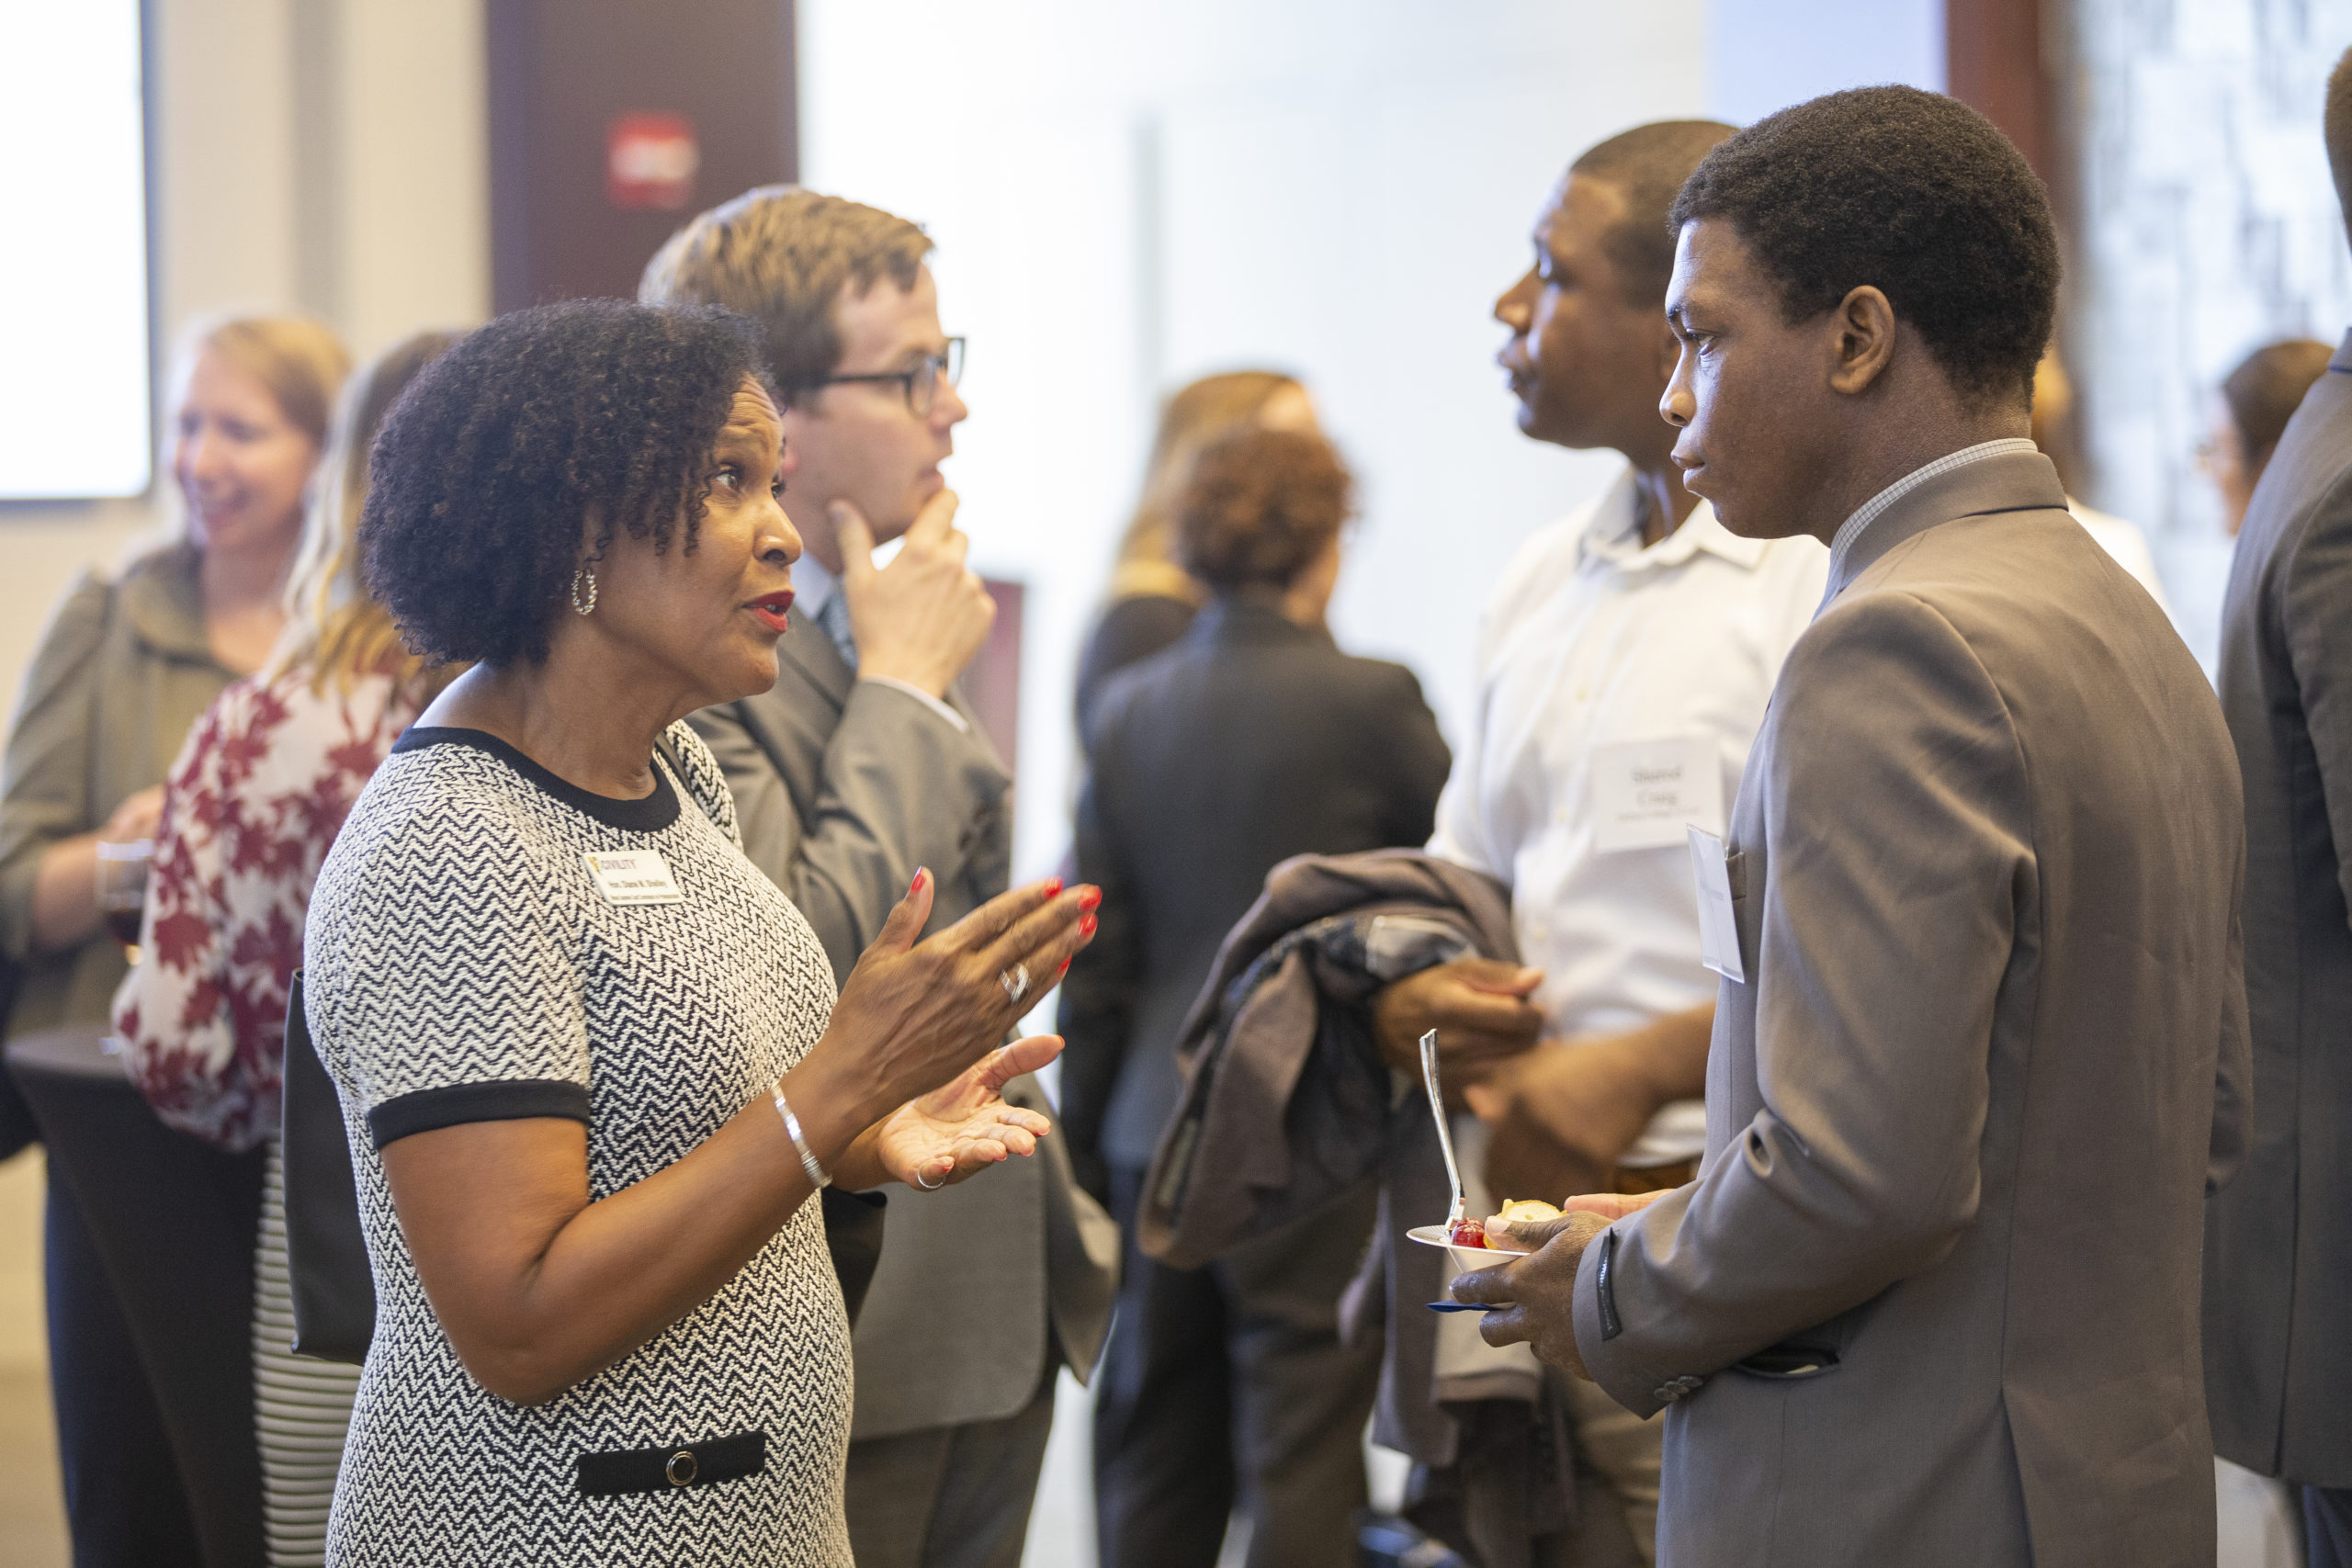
{"points": [[249, 811], [1152, 599], [149, 1235]]}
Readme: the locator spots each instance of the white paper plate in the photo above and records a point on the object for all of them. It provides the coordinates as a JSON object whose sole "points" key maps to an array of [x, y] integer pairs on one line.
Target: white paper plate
{"points": [[1464, 1257]]}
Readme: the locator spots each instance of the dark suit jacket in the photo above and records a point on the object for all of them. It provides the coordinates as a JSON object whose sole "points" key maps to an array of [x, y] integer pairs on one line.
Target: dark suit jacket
{"points": [[1132, 628], [1933, 1298], [1250, 740], [2279, 1246], [843, 788]]}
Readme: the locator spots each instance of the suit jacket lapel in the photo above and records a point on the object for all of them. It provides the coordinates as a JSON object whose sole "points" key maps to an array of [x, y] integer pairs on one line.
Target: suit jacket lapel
{"points": [[2023, 481], [807, 649]]}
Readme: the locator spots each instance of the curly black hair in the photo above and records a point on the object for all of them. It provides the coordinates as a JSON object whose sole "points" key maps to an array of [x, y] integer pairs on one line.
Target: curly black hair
{"points": [[1910, 191], [495, 454]]}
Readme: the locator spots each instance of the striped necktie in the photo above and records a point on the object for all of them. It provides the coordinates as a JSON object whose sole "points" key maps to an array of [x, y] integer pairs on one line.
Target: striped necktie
{"points": [[832, 619]]}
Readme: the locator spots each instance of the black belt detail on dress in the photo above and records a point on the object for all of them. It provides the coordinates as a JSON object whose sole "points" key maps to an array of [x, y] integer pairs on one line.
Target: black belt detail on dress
{"points": [[672, 1468]]}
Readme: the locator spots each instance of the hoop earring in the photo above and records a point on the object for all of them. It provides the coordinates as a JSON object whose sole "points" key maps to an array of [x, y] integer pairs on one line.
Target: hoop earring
{"points": [[584, 575]]}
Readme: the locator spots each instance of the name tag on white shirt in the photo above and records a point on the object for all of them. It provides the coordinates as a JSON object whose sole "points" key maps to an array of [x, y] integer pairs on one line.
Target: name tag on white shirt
{"points": [[1645, 793], [634, 876], [1718, 931]]}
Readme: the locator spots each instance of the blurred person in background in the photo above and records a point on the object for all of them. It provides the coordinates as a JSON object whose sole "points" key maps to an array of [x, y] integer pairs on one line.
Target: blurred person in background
{"points": [[2256, 398], [148, 1362], [1251, 740], [256, 798], [1152, 599], [862, 763], [2278, 1242], [2054, 432]]}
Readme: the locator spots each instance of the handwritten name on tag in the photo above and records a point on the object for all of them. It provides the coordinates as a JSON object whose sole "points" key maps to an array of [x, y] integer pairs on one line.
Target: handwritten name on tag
{"points": [[1718, 926], [1645, 793], [634, 876]]}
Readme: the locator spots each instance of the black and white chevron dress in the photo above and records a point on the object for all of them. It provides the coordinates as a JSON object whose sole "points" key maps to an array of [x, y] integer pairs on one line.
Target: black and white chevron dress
{"points": [[462, 965]]}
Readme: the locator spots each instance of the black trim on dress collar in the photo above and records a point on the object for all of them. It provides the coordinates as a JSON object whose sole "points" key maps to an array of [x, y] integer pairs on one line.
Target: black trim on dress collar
{"points": [[646, 814]]}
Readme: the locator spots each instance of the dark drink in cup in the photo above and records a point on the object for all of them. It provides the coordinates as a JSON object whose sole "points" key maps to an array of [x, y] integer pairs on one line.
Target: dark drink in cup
{"points": [[122, 888]]}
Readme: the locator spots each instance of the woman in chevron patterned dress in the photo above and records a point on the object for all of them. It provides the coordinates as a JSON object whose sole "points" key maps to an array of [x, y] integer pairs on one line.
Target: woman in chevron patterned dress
{"points": [[592, 1062]]}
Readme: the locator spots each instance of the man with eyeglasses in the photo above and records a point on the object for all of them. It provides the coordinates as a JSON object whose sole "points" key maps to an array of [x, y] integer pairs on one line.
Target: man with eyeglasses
{"points": [[863, 763]]}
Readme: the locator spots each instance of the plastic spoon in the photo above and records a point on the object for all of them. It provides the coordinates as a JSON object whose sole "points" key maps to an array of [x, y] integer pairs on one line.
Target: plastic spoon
{"points": [[1461, 1210]]}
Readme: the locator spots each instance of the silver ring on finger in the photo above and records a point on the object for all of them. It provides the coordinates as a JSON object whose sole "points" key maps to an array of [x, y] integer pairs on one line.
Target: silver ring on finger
{"points": [[1015, 982], [928, 1186]]}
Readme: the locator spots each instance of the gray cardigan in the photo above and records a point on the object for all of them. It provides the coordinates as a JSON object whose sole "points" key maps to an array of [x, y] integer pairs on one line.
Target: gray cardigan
{"points": [[122, 674]]}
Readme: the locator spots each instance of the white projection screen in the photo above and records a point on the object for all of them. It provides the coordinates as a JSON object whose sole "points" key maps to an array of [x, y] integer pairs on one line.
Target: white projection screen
{"points": [[73, 354]]}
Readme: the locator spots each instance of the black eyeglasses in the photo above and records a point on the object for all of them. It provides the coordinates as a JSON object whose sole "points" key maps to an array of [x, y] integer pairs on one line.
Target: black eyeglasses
{"points": [[919, 381]]}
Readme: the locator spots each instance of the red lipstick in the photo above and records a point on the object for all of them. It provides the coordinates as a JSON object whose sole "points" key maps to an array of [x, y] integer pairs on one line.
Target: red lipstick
{"points": [[772, 609]]}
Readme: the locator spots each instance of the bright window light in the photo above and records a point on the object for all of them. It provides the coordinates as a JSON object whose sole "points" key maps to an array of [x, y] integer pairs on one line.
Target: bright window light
{"points": [[74, 359]]}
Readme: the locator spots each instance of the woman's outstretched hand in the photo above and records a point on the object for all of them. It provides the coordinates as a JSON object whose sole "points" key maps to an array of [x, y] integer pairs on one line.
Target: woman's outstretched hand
{"points": [[959, 1130], [915, 1017]]}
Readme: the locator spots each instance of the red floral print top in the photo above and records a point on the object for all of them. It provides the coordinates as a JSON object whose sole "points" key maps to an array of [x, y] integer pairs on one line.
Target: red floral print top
{"points": [[258, 793]]}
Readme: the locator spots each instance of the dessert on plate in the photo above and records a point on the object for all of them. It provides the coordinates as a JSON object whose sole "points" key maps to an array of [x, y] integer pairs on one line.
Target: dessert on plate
{"points": [[1473, 1233]]}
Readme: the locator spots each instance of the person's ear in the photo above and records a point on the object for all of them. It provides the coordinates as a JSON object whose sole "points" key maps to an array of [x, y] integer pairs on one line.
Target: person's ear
{"points": [[593, 541], [1863, 328]]}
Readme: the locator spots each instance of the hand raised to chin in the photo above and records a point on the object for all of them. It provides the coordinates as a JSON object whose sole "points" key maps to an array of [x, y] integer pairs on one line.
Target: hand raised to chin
{"points": [[1535, 1296]]}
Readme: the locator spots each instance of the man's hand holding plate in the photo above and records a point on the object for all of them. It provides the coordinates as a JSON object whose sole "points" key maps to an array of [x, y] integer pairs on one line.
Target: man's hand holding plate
{"points": [[1534, 1297]]}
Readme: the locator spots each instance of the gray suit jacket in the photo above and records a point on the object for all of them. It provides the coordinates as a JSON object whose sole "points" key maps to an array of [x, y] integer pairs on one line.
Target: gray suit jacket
{"points": [[2279, 1243], [844, 788], [1933, 1298]]}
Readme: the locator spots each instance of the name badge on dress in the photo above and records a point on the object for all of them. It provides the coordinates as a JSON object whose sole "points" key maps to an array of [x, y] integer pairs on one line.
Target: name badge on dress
{"points": [[1644, 793], [1718, 930], [634, 876]]}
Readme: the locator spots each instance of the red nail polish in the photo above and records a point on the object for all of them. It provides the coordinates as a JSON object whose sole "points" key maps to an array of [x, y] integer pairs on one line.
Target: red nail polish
{"points": [[1086, 926], [916, 885], [1054, 888], [1091, 900]]}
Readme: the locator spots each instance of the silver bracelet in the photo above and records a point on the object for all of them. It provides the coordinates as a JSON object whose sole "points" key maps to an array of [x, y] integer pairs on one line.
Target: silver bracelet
{"points": [[818, 1180]]}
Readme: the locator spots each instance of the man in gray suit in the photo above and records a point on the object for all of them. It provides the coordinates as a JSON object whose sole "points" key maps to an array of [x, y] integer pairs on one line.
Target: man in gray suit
{"points": [[1981, 1045], [861, 764], [2279, 1243]]}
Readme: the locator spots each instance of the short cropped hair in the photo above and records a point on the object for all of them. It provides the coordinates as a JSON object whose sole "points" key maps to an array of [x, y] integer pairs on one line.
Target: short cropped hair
{"points": [[1259, 506], [1912, 192], [491, 463], [2266, 387], [1647, 166], [783, 255]]}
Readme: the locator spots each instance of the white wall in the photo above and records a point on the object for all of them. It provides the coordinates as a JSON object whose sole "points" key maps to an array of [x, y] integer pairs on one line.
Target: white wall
{"points": [[1766, 54], [1129, 197], [1124, 201], [386, 233], [2210, 227]]}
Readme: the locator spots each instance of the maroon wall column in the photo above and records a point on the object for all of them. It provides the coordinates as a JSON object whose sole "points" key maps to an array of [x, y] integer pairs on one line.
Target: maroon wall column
{"points": [[564, 75], [1993, 64]]}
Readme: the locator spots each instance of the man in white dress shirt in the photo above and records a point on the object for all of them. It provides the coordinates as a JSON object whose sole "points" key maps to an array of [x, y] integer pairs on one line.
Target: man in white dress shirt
{"points": [[1623, 667]]}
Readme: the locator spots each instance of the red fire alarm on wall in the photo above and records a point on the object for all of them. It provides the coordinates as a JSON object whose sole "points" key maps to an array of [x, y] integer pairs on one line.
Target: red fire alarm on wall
{"points": [[650, 161]]}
